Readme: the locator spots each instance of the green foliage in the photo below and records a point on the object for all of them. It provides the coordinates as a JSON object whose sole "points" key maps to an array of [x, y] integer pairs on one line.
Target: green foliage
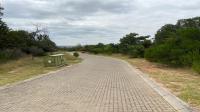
{"points": [[35, 51], [196, 66], [134, 45], [136, 51], [196, 61], [10, 54], [27, 42], [164, 53], [75, 54], [129, 39], [16, 39], [12, 42], [3, 33], [164, 33], [177, 45], [188, 23]]}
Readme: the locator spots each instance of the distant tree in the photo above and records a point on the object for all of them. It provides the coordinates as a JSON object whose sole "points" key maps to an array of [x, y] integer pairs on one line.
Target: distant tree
{"points": [[165, 33], [147, 43], [129, 39], [136, 51], [1, 9], [180, 49], [188, 23], [76, 54], [113, 48], [134, 45], [3, 33]]}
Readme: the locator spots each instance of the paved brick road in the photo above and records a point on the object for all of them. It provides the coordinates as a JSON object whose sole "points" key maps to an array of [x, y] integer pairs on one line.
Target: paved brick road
{"points": [[99, 84]]}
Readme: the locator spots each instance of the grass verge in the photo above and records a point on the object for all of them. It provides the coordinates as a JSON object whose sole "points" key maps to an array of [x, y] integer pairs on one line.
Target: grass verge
{"points": [[182, 82], [24, 68]]}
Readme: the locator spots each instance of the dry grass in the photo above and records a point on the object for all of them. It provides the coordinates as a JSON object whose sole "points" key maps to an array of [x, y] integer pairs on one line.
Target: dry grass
{"points": [[182, 82], [25, 68]]}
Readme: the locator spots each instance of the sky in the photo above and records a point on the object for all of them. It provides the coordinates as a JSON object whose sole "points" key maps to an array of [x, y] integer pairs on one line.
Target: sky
{"points": [[72, 22]]}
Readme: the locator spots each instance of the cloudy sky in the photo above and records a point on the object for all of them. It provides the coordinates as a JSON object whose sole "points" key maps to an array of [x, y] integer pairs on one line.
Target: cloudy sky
{"points": [[71, 22]]}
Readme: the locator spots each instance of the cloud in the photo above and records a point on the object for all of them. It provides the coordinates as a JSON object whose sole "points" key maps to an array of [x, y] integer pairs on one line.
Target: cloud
{"points": [[91, 21]]}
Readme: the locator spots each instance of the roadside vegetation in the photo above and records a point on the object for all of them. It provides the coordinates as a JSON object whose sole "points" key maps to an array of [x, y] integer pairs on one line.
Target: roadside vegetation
{"points": [[15, 44], [174, 45], [22, 53], [24, 68], [75, 54]]}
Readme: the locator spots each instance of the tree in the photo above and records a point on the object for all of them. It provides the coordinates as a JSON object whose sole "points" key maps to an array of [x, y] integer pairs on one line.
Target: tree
{"points": [[3, 31], [136, 51], [188, 23], [129, 39], [17, 39], [134, 45], [15, 43], [1, 13], [165, 33], [177, 45]]}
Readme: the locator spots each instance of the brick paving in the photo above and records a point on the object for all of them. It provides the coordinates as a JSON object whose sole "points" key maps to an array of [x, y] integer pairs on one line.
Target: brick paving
{"points": [[98, 84]]}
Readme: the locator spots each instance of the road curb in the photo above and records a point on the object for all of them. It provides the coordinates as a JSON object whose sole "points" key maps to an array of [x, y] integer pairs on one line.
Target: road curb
{"points": [[174, 101]]}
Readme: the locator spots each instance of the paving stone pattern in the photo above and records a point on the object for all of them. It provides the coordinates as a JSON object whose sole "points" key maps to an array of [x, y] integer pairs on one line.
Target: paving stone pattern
{"points": [[98, 84]]}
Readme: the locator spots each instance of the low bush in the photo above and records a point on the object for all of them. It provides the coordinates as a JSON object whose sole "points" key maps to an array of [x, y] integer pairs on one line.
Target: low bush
{"points": [[196, 61], [76, 54], [35, 51], [196, 66], [136, 51], [10, 54]]}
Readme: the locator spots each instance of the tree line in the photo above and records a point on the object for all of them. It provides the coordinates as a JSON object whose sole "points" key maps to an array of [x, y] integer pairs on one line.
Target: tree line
{"points": [[16, 43], [175, 45]]}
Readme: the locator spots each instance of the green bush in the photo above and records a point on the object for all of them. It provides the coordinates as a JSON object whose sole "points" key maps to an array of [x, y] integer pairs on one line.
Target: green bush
{"points": [[35, 51], [10, 54], [166, 54], [196, 61], [136, 51], [157, 53], [76, 54], [182, 48], [196, 66]]}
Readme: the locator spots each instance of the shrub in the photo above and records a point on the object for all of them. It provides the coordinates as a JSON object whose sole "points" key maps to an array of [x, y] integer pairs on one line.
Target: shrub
{"points": [[35, 51], [196, 61], [10, 54], [180, 49], [165, 53], [17, 53], [136, 51], [196, 66], [76, 54], [157, 53]]}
